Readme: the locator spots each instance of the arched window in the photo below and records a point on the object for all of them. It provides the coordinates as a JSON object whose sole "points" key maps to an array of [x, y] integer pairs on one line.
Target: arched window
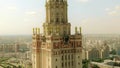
{"points": [[72, 56], [56, 59], [66, 64], [62, 65], [65, 57], [69, 63], [62, 20], [72, 63], [62, 58], [57, 20], [69, 57]]}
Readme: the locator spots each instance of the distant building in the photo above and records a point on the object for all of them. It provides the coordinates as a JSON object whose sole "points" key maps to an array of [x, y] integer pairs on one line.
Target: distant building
{"points": [[9, 48], [17, 47], [57, 48], [96, 49]]}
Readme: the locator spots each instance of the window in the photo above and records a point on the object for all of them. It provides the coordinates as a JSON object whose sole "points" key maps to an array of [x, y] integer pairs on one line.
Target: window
{"points": [[62, 65], [69, 57], [72, 56], [56, 59], [62, 58], [78, 63], [78, 56], [72, 63], [62, 20], [65, 57], [66, 64], [62, 52], [57, 20], [69, 63]]}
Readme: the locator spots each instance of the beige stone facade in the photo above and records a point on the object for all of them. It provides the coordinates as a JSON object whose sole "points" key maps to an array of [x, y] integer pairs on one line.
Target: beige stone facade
{"points": [[57, 48]]}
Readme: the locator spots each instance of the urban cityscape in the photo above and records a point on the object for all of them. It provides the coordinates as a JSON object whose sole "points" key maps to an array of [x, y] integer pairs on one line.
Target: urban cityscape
{"points": [[60, 34]]}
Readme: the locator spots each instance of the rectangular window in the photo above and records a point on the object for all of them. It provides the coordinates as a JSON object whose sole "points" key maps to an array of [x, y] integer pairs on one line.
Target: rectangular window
{"points": [[62, 64]]}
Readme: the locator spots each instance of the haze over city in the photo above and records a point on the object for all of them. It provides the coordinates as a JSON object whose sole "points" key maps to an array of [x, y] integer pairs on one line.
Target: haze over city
{"points": [[59, 34], [94, 16]]}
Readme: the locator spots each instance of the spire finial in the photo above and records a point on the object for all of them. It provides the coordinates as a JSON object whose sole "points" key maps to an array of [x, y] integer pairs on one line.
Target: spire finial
{"points": [[75, 30], [33, 31], [80, 30], [38, 30]]}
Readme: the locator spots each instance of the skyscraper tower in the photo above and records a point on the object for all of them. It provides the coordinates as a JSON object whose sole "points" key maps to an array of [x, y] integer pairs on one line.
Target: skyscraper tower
{"points": [[57, 48]]}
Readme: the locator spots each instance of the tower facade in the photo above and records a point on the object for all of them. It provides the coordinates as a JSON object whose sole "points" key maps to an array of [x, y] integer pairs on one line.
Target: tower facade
{"points": [[57, 48]]}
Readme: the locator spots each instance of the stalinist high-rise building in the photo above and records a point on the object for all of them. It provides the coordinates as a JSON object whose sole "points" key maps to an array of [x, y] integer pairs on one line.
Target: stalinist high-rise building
{"points": [[57, 47]]}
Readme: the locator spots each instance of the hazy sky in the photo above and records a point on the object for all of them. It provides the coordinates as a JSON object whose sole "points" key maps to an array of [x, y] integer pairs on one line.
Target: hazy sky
{"points": [[94, 16]]}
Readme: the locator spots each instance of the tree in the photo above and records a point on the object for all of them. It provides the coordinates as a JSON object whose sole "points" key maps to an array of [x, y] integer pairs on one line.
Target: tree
{"points": [[98, 60], [113, 52], [19, 66], [95, 66], [5, 64], [85, 63], [8, 67]]}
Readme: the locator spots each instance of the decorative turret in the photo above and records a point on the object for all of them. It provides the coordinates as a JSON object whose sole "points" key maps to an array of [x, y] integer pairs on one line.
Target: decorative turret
{"points": [[36, 31], [78, 32], [36, 38], [36, 48]]}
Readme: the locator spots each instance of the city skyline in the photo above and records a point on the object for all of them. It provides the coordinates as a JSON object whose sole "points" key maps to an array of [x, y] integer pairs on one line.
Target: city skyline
{"points": [[94, 16]]}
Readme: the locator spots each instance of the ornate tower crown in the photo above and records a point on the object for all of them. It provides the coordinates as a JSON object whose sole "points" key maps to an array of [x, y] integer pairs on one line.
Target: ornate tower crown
{"points": [[56, 11], [56, 18]]}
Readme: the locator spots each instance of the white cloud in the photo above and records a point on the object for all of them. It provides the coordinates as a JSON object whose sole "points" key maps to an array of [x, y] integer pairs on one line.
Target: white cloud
{"points": [[13, 8], [84, 1], [105, 25], [7, 9], [33, 16], [31, 13], [107, 9], [115, 11], [85, 20], [117, 7]]}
